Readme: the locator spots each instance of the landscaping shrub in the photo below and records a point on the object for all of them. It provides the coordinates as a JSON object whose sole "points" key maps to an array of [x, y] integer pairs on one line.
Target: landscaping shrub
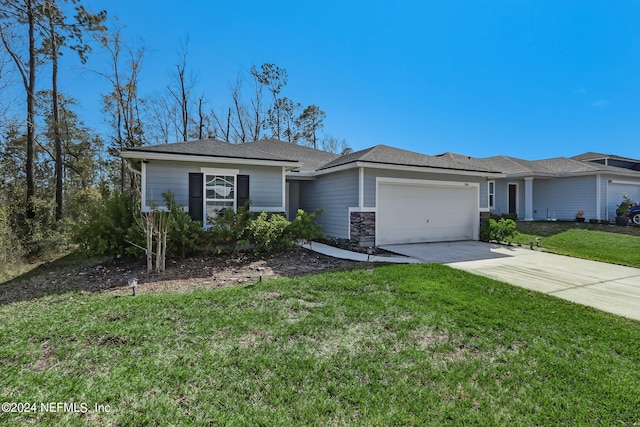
{"points": [[622, 210], [109, 224], [233, 231], [229, 232], [502, 230], [268, 232], [10, 247], [303, 228], [184, 233]]}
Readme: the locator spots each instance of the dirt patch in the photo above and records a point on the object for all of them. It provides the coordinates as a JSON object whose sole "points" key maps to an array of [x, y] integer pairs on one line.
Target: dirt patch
{"points": [[195, 273]]}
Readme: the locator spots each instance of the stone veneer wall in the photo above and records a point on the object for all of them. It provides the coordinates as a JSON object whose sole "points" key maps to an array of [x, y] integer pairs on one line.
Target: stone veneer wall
{"points": [[363, 227]]}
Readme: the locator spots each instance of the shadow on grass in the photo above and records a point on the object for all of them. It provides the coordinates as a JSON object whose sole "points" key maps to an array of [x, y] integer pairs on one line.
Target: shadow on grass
{"points": [[75, 273]]}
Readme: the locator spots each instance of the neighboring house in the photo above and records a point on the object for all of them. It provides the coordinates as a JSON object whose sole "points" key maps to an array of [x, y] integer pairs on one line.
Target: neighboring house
{"points": [[374, 196], [609, 160], [560, 187], [380, 195]]}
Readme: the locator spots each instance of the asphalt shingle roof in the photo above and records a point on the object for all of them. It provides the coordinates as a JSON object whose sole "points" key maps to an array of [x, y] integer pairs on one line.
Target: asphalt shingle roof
{"points": [[382, 154], [558, 166], [590, 156], [309, 158], [211, 148]]}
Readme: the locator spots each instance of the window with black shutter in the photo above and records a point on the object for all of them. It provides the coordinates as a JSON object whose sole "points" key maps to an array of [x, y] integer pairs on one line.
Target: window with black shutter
{"points": [[242, 190], [196, 205]]}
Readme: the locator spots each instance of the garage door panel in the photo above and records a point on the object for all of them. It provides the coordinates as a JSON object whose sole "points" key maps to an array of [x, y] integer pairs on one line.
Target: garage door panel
{"points": [[425, 213], [616, 192]]}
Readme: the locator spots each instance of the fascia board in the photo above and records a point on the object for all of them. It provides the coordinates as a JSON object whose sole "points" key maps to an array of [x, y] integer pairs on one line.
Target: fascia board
{"points": [[206, 159], [411, 169]]}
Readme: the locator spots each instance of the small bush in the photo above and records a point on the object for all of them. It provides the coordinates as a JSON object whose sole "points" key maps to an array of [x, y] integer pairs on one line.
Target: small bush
{"points": [[109, 224], [10, 247], [622, 210], [268, 233], [184, 233], [303, 228], [229, 231], [503, 230]]}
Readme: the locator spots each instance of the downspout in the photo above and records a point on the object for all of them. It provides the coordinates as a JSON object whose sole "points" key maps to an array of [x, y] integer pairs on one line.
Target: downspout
{"points": [[143, 182], [135, 171]]}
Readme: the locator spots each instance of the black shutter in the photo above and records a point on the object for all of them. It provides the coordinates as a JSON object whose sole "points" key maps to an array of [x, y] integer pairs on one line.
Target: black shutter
{"points": [[196, 205], [242, 190]]}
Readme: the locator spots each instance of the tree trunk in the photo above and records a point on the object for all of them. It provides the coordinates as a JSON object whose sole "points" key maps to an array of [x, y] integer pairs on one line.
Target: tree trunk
{"points": [[56, 119], [201, 116], [31, 134], [149, 236], [164, 249], [158, 247], [184, 106]]}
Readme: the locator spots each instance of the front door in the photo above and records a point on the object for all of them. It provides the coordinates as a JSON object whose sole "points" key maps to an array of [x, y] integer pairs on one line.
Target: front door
{"points": [[513, 199]]}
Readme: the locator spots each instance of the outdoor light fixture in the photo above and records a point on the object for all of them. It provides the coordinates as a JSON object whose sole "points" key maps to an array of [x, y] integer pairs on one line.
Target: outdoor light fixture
{"points": [[133, 283], [260, 272]]}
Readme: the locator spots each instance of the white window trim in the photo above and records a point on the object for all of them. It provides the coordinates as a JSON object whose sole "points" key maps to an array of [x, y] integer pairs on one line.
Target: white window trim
{"points": [[492, 206], [217, 172]]}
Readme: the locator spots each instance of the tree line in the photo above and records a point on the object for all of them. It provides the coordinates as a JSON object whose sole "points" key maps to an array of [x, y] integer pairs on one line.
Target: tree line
{"points": [[49, 158]]}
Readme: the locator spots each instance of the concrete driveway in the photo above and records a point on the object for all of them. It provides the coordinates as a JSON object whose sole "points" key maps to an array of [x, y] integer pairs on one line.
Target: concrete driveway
{"points": [[608, 287]]}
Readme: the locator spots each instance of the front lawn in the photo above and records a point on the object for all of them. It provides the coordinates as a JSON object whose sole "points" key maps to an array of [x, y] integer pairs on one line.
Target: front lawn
{"points": [[390, 345], [612, 244]]}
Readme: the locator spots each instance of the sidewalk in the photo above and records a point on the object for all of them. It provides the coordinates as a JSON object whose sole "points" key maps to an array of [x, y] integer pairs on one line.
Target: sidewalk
{"points": [[332, 251]]}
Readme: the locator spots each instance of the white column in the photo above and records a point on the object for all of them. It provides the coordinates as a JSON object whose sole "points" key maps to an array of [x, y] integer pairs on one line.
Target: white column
{"points": [[528, 199], [361, 188], [598, 197]]}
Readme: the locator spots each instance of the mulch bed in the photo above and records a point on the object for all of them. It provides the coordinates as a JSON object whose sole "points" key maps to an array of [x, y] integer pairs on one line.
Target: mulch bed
{"points": [[184, 275]]}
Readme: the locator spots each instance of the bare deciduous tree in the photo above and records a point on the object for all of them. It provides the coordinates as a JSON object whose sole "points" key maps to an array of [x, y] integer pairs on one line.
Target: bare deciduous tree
{"points": [[180, 91], [334, 145], [273, 78], [311, 122], [122, 104], [58, 31], [16, 17]]}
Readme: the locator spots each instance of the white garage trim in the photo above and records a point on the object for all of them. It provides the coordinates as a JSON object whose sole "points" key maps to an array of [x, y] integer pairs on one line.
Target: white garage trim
{"points": [[438, 229]]}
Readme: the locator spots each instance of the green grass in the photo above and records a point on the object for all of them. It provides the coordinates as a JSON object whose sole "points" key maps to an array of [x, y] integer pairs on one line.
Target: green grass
{"points": [[394, 345], [611, 244]]}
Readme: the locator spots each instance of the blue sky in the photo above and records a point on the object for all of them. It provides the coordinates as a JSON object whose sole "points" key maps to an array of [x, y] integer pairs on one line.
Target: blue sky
{"points": [[530, 79]]}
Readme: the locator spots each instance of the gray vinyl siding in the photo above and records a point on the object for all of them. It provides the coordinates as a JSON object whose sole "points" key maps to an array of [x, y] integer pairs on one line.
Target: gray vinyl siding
{"points": [[336, 193], [294, 199], [501, 203], [265, 182], [370, 176], [562, 198], [164, 176]]}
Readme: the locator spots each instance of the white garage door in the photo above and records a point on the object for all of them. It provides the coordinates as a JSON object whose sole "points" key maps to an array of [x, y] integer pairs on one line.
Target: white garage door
{"points": [[426, 211], [615, 192]]}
